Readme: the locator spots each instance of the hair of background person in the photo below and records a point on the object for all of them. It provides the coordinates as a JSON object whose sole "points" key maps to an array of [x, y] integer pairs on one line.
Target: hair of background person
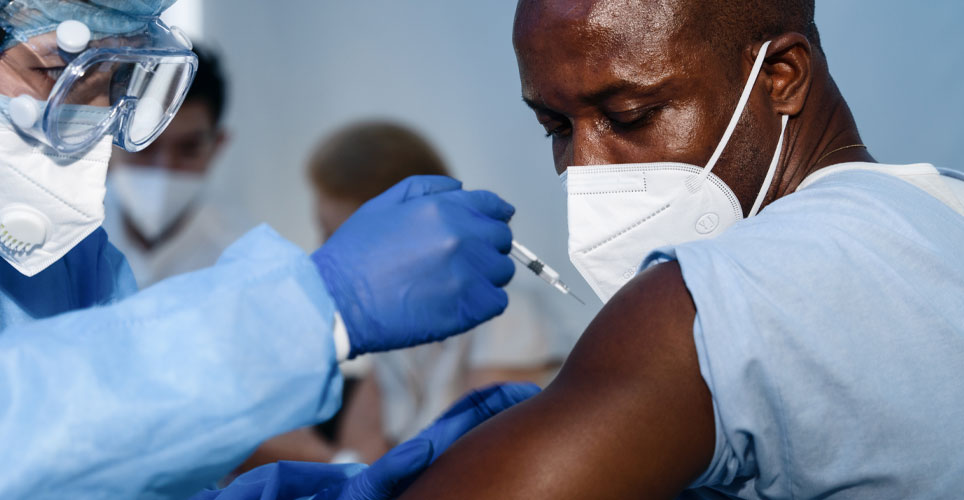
{"points": [[209, 84], [363, 160]]}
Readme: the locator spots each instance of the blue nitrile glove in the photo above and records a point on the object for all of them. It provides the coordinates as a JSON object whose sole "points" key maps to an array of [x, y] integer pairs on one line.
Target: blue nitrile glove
{"points": [[418, 263], [287, 481], [386, 478], [390, 475]]}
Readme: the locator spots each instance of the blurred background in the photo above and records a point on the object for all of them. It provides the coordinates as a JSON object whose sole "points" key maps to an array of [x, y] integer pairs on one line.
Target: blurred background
{"points": [[300, 69]]}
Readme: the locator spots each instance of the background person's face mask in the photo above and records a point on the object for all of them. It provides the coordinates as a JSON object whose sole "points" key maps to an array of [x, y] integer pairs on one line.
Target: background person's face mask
{"points": [[154, 198], [618, 214]]}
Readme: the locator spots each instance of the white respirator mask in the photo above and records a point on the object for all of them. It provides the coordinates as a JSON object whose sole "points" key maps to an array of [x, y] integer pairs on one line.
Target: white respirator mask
{"points": [[618, 214], [154, 198], [54, 151], [49, 201]]}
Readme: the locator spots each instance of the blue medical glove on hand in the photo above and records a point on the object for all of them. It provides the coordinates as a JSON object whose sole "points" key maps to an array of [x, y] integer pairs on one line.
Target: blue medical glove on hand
{"points": [[391, 474], [420, 262]]}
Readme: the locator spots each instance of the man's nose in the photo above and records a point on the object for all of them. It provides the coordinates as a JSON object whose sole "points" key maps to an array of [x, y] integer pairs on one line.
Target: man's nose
{"points": [[588, 148]]}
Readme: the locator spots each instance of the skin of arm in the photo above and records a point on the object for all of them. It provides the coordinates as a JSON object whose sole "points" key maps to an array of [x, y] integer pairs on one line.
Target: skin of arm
{"points": [[629, 415]]}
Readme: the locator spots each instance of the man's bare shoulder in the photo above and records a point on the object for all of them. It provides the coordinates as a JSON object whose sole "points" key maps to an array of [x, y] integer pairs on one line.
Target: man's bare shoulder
{"points": [[629, 413]]}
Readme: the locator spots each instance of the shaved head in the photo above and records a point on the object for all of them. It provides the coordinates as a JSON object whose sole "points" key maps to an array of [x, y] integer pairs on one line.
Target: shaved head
{"points": [[737, 23], [728, 26], [724, 26], [725, 22]]}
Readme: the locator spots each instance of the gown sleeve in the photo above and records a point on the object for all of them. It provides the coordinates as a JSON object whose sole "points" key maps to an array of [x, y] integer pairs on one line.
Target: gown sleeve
{"points": [[162, 393]]}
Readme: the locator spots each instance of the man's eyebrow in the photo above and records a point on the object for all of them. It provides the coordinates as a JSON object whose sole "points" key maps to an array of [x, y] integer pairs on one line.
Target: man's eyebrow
{"points": [[533, 105], [624, 87], [599, 96]]}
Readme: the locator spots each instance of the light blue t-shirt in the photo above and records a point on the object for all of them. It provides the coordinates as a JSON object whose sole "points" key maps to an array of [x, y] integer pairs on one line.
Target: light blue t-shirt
{"points": [[830, 331]]}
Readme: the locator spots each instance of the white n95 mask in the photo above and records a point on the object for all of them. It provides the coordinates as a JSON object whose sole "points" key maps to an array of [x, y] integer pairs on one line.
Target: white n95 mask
{"points": [[154, 198], [49, 201], [618, 214]]}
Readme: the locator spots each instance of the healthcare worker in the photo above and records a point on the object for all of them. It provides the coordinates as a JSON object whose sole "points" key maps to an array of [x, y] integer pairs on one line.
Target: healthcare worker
{"points": [[105, 393]]}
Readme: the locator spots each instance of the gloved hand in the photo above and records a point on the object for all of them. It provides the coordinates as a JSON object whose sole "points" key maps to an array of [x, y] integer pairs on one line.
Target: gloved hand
{"points": [[390, 475], [418, 263], [386, 478]]}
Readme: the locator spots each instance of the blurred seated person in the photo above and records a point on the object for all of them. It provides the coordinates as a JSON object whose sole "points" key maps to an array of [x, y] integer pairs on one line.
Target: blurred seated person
{"points": [[404, 391], [156, 211], [407, 389]]}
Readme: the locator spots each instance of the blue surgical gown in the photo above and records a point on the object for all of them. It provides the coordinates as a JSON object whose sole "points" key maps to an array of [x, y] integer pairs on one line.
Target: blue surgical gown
{"points": [[107, 393]]}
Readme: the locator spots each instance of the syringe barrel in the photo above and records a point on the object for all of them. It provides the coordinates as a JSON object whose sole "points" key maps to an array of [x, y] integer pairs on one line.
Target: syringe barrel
{"points": [[522, 253], [549, 274]]}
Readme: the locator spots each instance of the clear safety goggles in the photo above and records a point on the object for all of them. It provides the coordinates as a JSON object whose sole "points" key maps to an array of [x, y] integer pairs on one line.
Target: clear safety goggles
{"points": [[128, 86]]}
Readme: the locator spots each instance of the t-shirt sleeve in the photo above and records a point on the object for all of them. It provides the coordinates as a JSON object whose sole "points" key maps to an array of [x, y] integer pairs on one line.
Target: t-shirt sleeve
{"points": [[758, 290], [803, 315], [722, 361]]}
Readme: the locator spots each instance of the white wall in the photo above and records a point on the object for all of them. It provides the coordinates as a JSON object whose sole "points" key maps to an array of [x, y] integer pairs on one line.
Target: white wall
{"points": [[300, 68], [900, 65]]}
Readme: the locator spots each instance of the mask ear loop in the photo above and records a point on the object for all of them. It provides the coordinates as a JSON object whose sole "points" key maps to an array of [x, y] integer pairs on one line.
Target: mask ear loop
{"points": [[694, 183], [773, 168]]}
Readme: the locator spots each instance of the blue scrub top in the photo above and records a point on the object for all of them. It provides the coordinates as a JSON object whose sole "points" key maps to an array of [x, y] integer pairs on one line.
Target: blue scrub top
{"points": [[93, 273], [108, 393]]}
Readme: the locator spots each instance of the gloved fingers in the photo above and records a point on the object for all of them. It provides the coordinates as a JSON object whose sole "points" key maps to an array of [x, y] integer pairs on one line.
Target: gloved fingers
{"points": [[488, 301], [286, 479], [501, 271], [415, 186], [494, 232], [486, 402], [498, 268], [488, 203], [473, 409], [473, 301], [467, 223], [391, 474]]}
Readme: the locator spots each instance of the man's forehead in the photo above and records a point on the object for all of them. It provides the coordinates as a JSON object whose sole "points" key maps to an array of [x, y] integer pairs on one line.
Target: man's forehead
{"points": [[597, 45], [624, 19]]}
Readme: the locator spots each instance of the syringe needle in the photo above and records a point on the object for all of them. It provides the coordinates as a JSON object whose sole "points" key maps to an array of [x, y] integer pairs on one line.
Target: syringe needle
{"points": [[559, 285], [528, 259]]}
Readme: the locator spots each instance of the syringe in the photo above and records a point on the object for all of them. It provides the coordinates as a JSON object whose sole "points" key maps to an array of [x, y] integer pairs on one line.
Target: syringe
{"points": [[548, 274]]}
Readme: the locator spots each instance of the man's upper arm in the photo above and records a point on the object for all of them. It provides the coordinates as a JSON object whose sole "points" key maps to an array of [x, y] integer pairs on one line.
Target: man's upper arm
{"points": [[629, 415]]}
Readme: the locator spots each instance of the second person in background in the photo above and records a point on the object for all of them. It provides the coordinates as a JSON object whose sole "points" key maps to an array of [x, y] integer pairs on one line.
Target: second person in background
{"points": [[157, 210]]}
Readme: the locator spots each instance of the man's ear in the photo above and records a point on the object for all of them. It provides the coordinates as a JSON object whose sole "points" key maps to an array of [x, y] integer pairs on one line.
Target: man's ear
{"points": [[788, 70]]}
